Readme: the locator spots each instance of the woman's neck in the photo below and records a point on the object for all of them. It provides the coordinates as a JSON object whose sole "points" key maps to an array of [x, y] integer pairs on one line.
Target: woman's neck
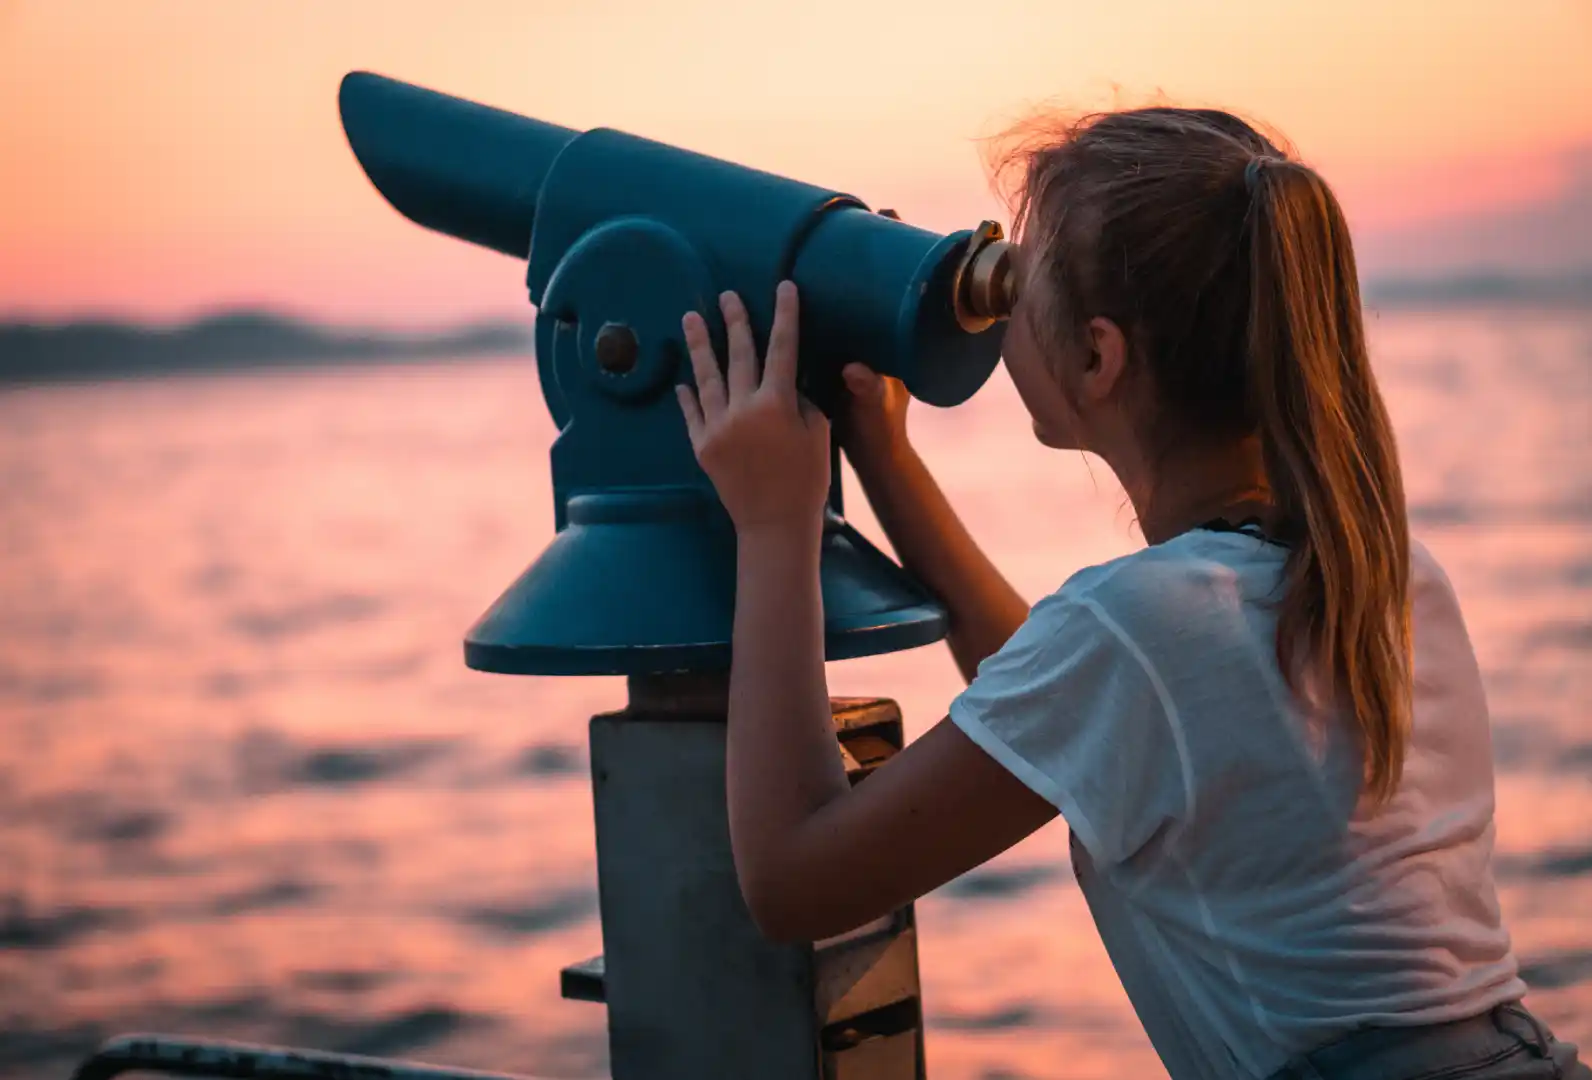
{"points": [[1194, 485]]}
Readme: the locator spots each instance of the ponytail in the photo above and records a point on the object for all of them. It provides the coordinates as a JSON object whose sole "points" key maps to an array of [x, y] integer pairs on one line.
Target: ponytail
{"points": [[1331, 463]]}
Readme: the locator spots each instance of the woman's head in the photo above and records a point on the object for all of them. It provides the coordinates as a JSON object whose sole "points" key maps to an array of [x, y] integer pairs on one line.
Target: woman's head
{"points": [[1131, 227], [1188, 285]]}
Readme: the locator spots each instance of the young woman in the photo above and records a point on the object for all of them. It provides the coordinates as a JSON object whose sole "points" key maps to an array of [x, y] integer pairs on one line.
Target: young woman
{"points": [[1265, 730]]}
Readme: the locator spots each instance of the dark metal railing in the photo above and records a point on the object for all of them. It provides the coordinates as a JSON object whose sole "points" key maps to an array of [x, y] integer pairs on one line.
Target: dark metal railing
{"points": [[176, 1056]]}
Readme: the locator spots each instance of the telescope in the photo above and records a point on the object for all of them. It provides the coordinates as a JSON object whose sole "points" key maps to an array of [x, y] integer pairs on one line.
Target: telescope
{"points": [[621, 236]]}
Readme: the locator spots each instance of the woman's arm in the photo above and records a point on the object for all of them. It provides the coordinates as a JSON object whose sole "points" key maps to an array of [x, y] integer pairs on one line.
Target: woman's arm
{"points": [[814, 856], [927, 535]]}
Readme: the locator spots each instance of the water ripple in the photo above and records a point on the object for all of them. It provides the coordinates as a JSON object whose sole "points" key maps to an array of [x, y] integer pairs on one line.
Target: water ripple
{"points": [[1006, 1018], [270, 761], [537, 917], [344, 982], [549, 759], [1557, 971], [1551, 865], [283, 892], [264, 624], [53, 929], [989, 883]]}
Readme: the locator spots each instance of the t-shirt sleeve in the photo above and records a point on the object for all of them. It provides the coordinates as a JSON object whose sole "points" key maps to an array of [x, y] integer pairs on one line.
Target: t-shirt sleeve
{"points": [[1072, 708]]}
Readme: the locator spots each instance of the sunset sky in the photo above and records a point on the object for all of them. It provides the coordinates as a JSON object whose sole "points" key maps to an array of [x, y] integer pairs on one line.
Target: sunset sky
{"points": [[166, 158]]}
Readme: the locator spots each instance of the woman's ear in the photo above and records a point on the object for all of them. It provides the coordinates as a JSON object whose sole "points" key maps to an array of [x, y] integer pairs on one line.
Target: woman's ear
{"points": [[1108, 358]]}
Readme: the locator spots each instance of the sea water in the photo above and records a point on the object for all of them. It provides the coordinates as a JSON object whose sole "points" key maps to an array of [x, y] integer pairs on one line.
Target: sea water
{"points": [[249, 790]]}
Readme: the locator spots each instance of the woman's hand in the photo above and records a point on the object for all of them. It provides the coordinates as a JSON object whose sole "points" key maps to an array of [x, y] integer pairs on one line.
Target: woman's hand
{"points": [[764, 446], [873, 430]]}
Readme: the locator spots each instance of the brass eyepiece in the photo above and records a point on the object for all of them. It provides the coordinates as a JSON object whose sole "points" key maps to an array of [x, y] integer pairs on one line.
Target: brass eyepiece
{"points": [[985, 286]]}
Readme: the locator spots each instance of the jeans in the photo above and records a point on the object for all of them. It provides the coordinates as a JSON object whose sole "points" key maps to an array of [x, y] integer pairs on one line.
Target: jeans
{"points": [[1507, 1043]]}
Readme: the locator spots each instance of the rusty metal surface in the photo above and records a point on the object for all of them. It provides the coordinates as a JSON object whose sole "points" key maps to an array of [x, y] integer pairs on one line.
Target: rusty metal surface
{"points": [[856, 976], [885, 1056], [858, 712]]}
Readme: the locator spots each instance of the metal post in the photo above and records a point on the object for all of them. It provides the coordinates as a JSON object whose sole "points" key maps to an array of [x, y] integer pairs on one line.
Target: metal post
{"points": [[693, 989]]}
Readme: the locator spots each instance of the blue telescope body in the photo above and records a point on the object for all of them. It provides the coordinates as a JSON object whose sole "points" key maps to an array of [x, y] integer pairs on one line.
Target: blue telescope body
{"points": [[621, 236]]}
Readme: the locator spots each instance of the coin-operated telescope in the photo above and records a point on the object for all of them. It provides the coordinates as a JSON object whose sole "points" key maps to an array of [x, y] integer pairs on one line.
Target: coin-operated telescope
{"points": [[622, 236]]}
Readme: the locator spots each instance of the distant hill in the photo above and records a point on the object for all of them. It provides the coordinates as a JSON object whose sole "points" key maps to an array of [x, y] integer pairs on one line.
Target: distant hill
{"points": [[104, 349], [1482, 288], [32, 352]]}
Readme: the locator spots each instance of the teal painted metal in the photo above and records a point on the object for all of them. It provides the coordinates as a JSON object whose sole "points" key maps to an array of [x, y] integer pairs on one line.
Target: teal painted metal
{"points": [[622, 236]]}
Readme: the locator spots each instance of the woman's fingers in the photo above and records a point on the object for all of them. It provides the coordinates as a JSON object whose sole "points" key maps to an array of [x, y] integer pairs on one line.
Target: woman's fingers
{"points": [[779, 372], [710, 395], [743, 374], [717, 391], [692, 411]]}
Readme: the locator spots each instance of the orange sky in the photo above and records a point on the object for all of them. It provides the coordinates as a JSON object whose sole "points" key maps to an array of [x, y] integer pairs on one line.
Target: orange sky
{"points": [[163, 158]]}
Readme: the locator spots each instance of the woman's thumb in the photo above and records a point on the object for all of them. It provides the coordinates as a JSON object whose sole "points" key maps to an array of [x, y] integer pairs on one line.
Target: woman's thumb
{"points": [[863, 382]]}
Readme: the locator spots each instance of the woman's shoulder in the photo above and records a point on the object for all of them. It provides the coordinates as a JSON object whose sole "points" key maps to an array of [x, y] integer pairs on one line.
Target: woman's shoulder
{"points": [[1184, 567], [1192, 579], [1427, 576], [1436, 612]]}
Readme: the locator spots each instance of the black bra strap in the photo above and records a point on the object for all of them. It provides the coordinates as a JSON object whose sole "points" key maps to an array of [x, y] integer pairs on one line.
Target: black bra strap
{"points": [[1250, 526]]}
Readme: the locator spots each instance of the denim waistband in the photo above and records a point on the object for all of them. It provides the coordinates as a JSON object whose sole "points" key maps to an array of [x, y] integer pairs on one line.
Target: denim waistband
{"points": [[1389, 1053]]}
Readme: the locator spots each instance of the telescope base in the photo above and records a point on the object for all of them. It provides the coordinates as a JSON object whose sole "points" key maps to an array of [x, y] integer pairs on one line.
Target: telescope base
{"points": [[693, 990]]}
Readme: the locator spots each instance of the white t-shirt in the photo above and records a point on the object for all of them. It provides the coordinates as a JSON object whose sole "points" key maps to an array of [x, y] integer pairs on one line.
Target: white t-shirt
{"points": [[1251, 904]]}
